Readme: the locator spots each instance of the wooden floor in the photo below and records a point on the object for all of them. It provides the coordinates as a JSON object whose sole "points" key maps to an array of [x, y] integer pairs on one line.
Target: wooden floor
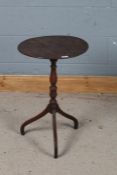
{"points": [[71, 84]]}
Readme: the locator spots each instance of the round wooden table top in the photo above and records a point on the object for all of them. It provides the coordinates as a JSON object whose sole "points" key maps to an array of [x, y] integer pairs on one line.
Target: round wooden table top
{"points": [[53, 47]]}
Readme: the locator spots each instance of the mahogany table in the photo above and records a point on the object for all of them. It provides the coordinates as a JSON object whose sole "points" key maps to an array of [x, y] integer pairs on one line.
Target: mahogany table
{"points": [[52, 48]]}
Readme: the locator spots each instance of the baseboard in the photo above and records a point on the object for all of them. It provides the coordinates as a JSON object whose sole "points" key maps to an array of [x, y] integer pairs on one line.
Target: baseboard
{"points": [[70, 84]]}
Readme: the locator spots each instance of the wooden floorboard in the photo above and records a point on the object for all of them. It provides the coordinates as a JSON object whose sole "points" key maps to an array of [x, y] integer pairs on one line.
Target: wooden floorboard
{"points": [[71, 84]]}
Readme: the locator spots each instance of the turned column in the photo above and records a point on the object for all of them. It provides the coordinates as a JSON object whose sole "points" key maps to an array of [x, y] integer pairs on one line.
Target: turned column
{"points": [[53, 87]]}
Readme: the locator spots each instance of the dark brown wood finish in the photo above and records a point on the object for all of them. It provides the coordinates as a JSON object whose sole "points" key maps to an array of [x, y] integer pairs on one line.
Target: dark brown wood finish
{"points": [[52, 48]]}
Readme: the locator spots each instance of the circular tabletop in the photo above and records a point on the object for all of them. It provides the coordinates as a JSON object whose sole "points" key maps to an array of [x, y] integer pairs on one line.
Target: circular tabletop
{"points": [[53, 47]]}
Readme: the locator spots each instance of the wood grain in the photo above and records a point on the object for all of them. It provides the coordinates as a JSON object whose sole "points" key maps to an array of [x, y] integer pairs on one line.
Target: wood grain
{"points": [[71, 84]]}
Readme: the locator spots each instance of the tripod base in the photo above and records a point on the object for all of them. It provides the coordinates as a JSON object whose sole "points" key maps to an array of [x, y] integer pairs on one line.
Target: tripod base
{"points": [[52, 108]]}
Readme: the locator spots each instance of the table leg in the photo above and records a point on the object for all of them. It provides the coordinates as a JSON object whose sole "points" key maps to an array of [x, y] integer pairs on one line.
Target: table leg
{"points": [[76, 123], [44, 112], [55, 134]]}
